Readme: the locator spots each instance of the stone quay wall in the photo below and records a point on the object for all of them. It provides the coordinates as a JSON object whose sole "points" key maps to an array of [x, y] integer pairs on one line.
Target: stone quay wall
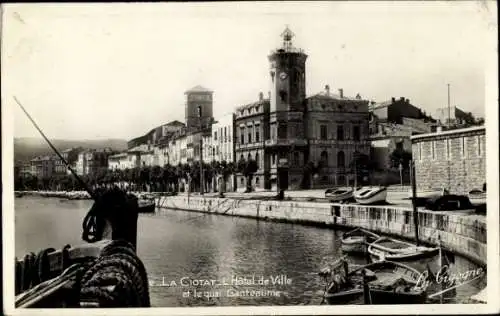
{"points": [[454, 159], [460, 233]]}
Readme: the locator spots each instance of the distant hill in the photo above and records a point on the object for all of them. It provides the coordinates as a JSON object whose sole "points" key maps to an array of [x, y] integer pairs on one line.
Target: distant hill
{"points": [[26, 148]]}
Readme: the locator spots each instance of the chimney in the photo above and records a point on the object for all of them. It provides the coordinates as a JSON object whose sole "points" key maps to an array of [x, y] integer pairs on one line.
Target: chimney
{"points": [[393, 99], [402, 99], [327, 90], [261, 96], [341, 93], [358, 96], [408, 101]]}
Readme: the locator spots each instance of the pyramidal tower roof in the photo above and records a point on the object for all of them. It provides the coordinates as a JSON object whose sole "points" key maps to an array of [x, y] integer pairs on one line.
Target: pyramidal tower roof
{"points": [[198, 88]]}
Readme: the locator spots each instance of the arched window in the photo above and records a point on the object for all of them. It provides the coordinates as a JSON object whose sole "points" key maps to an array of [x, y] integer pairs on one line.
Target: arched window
{"points": [[324, 158], [241, 157], [257, 159], [256, 180], [249, 156], [341, 159]]}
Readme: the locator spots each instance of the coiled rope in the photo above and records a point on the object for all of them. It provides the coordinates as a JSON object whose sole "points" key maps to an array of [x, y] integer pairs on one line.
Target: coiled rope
{"points": [[117, 278]]}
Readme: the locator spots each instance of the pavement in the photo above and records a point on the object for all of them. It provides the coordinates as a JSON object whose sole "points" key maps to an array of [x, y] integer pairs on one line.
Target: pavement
{"points": [[395, 196]]}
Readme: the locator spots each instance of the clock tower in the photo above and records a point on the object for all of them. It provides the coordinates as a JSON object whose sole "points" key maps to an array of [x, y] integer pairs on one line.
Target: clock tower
{"points": [[287, 76]]}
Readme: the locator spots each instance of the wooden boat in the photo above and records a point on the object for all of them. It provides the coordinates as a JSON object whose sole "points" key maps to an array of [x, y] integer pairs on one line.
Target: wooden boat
{"points": [[357, 240], [146, 205], [339, 194], [386, 282], [430, 193], [396, 250], [477, 197], [371, 195]]}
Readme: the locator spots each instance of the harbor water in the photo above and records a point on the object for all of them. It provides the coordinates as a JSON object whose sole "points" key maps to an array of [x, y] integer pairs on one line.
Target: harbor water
{"points": [[195, 259]]}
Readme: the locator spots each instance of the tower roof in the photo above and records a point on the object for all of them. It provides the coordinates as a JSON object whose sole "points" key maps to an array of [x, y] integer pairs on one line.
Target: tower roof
{"points": [[287, 35], [198, 88]]}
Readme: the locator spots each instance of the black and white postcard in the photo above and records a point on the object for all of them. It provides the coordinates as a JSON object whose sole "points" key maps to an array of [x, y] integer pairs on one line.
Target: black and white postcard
{"points": [[250, 158]]}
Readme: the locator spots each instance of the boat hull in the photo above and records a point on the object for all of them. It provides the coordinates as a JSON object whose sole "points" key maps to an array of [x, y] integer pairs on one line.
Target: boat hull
{"points": [[339, 195], [147, 208], [406, 251], [357, 241], [382, 290], [378, 297]]}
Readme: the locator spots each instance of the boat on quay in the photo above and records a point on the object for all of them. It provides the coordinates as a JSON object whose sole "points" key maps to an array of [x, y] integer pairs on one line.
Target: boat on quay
{"points": [[339, 194], [477, 197], [371, 195], [357, 240], [384, 282], [391, 249]]}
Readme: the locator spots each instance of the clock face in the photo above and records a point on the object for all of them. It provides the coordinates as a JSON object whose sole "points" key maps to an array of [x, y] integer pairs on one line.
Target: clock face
{"points": [[283, 75]]}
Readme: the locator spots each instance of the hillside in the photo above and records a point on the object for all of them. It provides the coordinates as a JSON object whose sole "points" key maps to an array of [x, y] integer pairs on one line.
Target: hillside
{"points": [[26, 149]]}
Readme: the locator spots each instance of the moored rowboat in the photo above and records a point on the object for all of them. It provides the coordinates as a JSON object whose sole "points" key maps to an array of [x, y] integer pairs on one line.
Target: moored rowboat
{"points": [[396, 250], [387, 283], [357, 240]]}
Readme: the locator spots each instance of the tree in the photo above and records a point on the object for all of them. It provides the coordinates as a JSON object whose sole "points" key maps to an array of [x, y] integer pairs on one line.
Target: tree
{"points": [[249, 170], [361, 165], [400, 156], [308, 171]]}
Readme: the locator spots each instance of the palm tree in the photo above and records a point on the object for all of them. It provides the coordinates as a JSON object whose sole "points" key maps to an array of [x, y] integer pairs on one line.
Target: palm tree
{"points": [[248, 169]]}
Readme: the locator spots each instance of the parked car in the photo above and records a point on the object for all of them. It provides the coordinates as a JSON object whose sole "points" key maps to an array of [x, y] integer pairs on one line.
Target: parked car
{"points": [[450, 202]]}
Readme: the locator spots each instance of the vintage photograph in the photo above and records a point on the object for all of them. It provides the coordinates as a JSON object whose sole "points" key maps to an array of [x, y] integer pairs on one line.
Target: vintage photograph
{"points": [[258, 154]]}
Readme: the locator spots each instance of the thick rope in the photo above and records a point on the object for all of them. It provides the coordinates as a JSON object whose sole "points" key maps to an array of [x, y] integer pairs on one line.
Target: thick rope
{"points": [[116, 279]]}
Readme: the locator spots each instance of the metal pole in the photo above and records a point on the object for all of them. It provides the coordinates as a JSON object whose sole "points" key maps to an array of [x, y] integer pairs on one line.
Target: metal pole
{"points": [[449, 108], [201, 165]]}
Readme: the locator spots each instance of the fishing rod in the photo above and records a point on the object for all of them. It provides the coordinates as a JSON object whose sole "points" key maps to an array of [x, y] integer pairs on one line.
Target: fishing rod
{"points": [[82, 183]]}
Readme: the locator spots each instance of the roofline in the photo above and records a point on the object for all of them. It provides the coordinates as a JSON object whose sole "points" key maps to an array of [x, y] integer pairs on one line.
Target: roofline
{"points": [[450, 132]]}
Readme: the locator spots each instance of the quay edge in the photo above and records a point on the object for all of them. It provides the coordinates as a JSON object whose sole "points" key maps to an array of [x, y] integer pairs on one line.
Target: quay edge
{"points": [[459, 233]]}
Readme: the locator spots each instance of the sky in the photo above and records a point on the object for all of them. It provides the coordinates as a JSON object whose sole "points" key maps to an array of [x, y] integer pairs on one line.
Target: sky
{"points": [[95, 71]]}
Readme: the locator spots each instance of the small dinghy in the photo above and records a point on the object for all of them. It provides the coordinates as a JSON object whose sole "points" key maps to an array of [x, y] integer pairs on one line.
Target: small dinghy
{"points": [[339, 194], [396, 250], [386, 282], [477, 197], [357, 240], [371, 195]]}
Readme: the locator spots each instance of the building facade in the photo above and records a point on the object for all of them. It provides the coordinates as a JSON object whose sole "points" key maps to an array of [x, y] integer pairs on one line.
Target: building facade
{"points": [[337, 130], [71, 156], [43, 167], [325, 129], [454, 159], [395, 110]]}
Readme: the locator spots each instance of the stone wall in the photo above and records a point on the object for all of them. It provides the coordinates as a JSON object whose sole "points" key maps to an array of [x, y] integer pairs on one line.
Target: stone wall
{"points": [[453, 159], [462, 234]]}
